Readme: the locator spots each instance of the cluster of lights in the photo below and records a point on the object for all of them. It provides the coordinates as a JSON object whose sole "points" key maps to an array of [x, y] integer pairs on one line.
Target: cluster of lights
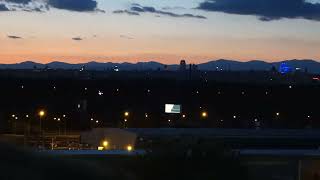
{"points": [[96, 121], [58, 118], [101, 93], [105, 146]]}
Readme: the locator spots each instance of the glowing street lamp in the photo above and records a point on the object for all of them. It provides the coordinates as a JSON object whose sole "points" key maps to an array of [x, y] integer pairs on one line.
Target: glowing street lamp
{"points": [[204, 114], [129, 148], [126, 114], [41, 114], [105, 144]]}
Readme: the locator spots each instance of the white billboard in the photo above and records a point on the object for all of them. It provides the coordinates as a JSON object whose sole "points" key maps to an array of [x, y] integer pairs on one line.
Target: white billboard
{"points": [[173, 108]]}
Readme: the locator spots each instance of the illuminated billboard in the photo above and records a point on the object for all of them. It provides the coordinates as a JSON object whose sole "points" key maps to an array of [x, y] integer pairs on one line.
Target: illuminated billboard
{"points": [[173, 108]]}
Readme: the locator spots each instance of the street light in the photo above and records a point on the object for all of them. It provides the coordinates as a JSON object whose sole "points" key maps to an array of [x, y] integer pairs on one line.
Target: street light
{"points": [[41, 114], [204, 114], [126, 114], [129, 148], [105, 144]]}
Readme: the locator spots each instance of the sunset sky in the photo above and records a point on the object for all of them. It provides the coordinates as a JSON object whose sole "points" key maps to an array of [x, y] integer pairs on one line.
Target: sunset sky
{"points": [[160, 30]]}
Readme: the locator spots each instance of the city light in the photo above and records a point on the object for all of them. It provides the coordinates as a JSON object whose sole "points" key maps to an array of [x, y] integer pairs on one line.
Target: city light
{"points": [[126, 114], [105, 144], [278, 114], [100, 148], [146, 115], [183, 116], [64, 115], [204, 114], [13, 115], [42, 113], [27, 116], [129, 148]]}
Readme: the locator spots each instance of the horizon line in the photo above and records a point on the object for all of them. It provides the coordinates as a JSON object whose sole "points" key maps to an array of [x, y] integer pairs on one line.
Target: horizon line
{"points": [[126, 62]]}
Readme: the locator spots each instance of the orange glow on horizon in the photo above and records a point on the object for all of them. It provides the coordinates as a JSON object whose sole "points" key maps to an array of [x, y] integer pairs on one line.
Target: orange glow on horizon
{"points": [[165, 59]]}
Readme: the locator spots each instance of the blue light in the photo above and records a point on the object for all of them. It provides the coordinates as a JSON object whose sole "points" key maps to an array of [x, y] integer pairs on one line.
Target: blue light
{"points": [[284, 68]]}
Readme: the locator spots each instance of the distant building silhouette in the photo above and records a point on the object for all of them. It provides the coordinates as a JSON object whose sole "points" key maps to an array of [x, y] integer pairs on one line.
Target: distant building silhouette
{"points": [[183, 65]]}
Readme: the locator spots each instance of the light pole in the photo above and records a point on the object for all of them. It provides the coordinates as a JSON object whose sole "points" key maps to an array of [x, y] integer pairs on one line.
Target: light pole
{"points": [[65, 124], [26, 129], [41, 114]]}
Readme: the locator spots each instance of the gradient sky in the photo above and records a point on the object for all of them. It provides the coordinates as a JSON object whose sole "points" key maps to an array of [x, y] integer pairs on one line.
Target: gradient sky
{"points": [[73, 36]]}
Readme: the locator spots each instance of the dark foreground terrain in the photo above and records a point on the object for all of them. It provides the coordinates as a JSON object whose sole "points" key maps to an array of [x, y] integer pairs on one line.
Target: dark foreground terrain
{"points": [[23, 164]]}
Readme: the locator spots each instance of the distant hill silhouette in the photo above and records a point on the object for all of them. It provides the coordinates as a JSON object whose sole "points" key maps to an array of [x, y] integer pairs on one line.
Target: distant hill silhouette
{"points": [[222, 64]]}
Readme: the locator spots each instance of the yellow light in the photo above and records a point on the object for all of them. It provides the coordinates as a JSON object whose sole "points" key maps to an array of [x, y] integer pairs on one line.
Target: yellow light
{"points": [[126, 114], [100, 148], [129, 148], [105, 144], [204, 114], [41, 113]]}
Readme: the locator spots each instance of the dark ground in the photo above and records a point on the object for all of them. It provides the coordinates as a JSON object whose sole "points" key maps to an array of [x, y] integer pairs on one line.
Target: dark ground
{"points": [[23, 164]]}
